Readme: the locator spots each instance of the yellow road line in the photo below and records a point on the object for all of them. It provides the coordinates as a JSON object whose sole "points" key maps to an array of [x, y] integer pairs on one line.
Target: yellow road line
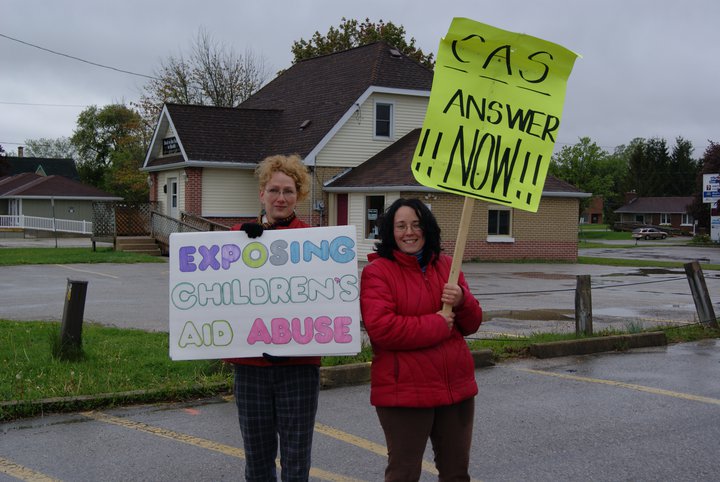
{"points": [[199, 442], [630, 386], [20, 472], [87, 271], [364, 444]]}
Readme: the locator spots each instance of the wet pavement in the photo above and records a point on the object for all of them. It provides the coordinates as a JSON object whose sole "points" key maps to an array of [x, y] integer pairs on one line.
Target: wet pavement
{"points": [[645, 415]]}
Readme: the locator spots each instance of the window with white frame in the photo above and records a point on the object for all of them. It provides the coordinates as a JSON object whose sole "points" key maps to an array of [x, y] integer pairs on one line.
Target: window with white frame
{"points": [[383, 120], [499, 221], [664, 218], [687, 220]]}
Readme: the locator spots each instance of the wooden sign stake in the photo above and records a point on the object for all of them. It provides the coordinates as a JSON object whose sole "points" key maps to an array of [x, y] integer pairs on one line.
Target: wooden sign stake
{"points": [[460, 245]]}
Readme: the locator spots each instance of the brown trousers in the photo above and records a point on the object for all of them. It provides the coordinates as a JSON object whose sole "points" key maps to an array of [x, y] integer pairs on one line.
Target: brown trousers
{"points": [[408, 429]]}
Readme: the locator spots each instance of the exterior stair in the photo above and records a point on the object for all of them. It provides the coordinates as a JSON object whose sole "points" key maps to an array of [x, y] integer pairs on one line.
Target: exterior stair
{"points": [[137, 244]]}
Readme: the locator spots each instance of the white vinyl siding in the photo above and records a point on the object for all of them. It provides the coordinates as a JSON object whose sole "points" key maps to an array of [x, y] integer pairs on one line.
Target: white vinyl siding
{"points": [[355, 142], [230, 193]]}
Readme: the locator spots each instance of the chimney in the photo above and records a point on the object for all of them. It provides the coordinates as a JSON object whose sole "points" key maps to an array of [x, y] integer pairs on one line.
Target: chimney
{"points": [[630, 197], [20, 151]]}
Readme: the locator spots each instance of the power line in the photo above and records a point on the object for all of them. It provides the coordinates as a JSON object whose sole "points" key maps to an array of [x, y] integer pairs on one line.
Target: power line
{"points": [[75, 58], [43, 105]]}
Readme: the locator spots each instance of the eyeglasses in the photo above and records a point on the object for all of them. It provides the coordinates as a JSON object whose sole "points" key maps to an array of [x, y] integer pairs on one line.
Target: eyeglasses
{"points": [[402, 227], [286, 193]]}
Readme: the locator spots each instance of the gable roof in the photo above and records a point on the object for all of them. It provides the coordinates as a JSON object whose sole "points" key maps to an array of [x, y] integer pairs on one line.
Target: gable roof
{"points": [[390, 170], [43, 166], [653, 205], [315, 93], [31, 185]]}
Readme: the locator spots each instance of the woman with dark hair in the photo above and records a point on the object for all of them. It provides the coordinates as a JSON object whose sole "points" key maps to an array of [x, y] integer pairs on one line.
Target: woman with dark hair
{"points": [[422, 375]]}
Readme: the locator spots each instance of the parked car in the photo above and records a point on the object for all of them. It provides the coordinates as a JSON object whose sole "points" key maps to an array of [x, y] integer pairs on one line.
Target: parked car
{"points": [[648, 233]]}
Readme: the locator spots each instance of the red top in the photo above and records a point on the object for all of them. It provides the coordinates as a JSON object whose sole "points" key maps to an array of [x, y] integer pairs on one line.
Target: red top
{"points": [[417, 361], [296, 360]]}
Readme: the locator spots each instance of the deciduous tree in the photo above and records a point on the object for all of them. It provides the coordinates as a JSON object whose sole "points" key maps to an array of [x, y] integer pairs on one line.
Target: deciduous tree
{"points": [[212, 74], [109, 140], [351, 33], [590, 168], [59, 148]]}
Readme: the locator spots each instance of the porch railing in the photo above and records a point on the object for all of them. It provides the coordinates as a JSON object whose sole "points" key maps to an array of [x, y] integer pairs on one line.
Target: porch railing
{"points": [[46, 224], [162, 227]]}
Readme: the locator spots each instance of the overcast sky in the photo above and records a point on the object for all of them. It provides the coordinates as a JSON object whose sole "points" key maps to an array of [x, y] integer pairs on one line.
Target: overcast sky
{"points": [[649, 68]]}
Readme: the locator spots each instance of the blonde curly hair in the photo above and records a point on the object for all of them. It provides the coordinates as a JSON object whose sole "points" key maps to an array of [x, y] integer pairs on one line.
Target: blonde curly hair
{"points": [[291, 166]]}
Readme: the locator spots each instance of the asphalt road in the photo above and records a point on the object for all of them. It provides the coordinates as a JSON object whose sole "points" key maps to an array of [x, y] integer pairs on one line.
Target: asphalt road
{"points": [[645, 415]]}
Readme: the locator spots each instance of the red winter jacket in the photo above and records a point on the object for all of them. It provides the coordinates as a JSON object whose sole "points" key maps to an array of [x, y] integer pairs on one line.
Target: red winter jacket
{"points": [[417, 361], [296, 360]]}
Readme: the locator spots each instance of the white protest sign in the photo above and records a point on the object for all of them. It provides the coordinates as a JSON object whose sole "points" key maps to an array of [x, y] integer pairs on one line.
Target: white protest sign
{"points": [[290, 292]]}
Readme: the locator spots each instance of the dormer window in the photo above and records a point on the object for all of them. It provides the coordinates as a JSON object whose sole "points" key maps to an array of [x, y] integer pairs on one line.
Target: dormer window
{"points": [[383, 120]]}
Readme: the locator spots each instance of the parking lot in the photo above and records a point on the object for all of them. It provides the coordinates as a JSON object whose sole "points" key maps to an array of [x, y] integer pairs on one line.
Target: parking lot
{"points": [[647, 414]]}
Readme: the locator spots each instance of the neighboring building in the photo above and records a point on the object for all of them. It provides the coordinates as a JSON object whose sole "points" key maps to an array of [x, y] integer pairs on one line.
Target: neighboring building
{"points": [[593, 214], [338, 111], [43, 166], [54, 196], [669, 212]]}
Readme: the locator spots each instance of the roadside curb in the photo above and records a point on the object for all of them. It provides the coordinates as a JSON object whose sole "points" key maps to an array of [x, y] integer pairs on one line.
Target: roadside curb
{"points": [[330, 377], [596, 345], [359, 373]]}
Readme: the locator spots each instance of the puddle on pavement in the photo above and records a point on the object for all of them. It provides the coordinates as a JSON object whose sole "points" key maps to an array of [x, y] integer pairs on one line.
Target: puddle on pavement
{"points": [[648, 272], [615, 311], [540, 275], [539, 314]]}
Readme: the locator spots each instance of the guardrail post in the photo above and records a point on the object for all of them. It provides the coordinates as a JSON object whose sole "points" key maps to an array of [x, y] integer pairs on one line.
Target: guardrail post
{"points": [[583, 306], [701, 297]]}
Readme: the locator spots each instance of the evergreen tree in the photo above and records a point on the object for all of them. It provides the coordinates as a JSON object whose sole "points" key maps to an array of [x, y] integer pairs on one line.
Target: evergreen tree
{"points": [[683, 169]]}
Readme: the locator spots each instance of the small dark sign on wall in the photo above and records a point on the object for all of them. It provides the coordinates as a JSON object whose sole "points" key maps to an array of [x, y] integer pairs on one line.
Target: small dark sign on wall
{"points": [[170, 146]]}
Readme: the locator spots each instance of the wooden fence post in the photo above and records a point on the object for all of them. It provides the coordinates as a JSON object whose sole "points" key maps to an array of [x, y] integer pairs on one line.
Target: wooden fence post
{"points": [[583, 306], [703, 304]]}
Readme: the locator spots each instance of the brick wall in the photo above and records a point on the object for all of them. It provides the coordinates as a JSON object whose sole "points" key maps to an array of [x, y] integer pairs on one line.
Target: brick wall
{"points": [[193, 190], [548, 234], [153, 186]]}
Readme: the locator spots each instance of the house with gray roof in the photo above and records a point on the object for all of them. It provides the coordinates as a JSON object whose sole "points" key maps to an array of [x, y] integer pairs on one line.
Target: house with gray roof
{"points": [[28, 198], [669, 212], [354, 118]]}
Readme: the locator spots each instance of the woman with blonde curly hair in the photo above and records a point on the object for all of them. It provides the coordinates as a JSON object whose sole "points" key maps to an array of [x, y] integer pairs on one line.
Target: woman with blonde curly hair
{"points": [[277, 397]]}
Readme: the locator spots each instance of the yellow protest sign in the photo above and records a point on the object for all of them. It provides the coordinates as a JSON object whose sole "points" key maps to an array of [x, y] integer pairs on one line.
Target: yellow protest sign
{"points": [[493, 115]]}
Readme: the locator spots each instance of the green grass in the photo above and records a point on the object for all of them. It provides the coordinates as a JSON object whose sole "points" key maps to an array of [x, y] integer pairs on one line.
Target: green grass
{"points": [[121, 366], [584, 234], [116, 366], [505, 348], [19, 256], [590, 244], [114, 361]]}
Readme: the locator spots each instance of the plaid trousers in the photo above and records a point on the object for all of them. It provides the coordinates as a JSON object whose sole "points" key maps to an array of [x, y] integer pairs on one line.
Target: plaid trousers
{"points": [[272, 402]]}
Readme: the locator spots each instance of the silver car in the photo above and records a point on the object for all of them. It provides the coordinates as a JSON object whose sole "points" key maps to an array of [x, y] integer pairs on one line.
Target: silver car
{"points": [[648, 233]]}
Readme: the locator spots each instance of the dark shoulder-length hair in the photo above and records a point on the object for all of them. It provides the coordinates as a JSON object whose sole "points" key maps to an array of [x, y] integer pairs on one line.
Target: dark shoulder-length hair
{"points": [[428, 223]]}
